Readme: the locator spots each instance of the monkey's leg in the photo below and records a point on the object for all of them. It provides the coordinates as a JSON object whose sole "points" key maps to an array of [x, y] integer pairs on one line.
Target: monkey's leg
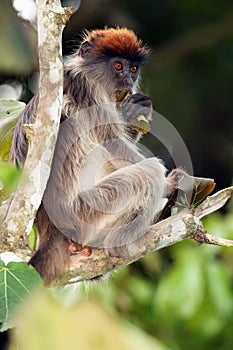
{"points": [[53, 255], [110, 215], [117, 210]]}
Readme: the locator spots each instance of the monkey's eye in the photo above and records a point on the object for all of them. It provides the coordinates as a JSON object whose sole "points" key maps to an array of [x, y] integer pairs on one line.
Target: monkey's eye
{"points": [[118, 66], [134, 69]]}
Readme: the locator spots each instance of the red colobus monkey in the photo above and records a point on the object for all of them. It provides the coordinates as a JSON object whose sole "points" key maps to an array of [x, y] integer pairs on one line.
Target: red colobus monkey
{"points": [[102, 192]]}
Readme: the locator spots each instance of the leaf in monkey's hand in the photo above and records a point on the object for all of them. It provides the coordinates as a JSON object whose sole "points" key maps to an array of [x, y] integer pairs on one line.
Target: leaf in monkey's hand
{"points": [[140, 124], [123, 95], [9, 113]]}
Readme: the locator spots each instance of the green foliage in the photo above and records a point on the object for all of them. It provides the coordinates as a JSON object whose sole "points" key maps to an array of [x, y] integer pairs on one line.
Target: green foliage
{"points": [[86, 326], [17, 281], [9, 176], [9, 113], [17, 55], [33, 239], [173, 296], [182, 295]]}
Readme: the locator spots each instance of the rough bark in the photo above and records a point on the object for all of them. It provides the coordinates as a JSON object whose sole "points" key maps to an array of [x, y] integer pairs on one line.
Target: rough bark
{"points": [[18, 213]]}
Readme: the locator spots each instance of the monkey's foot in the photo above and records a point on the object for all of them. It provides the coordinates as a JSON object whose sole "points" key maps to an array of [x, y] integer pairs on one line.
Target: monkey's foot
{"points": [[76, 248], [173, 180]]}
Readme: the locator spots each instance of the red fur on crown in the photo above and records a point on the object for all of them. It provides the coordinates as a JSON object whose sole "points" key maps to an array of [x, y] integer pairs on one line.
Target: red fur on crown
{"points": [[119, 41]]}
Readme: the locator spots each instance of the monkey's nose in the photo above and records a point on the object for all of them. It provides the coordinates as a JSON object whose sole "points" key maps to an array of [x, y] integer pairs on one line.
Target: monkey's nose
{"points": [[128, 82]]}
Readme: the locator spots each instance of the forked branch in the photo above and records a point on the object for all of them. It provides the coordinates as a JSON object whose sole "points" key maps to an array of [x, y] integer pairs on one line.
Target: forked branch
{"points": [[184, 225]]}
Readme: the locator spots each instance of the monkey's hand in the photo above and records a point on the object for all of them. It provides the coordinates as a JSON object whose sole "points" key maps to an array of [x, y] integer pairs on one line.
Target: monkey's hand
{"points": [[136, 110], [136, 105]]}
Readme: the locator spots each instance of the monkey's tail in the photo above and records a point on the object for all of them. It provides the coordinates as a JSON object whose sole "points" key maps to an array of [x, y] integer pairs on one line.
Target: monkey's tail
{"points": [[53, 255], [52, 258]]}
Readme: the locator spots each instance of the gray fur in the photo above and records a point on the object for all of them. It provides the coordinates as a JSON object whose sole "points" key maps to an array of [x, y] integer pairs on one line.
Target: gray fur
{"points": [[101, 192]]}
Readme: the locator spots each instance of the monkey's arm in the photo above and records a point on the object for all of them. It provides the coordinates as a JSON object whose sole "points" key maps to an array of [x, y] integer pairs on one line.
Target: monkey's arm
{"points": [[134, 106], [19, 145]]}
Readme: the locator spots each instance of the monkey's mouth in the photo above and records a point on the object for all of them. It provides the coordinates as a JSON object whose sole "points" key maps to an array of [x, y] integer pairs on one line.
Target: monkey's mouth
{"points": [[122, 95]]}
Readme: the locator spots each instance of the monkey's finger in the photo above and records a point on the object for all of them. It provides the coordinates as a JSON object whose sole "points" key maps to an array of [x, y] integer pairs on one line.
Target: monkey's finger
{"points": [[132, 111], [140, 99]]}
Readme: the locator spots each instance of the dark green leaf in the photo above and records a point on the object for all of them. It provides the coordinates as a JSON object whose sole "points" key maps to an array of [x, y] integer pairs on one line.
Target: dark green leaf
{"points": [[220, 289], [17, 281], [18, 56], [9, 113], [180, 293], [9, 176]]}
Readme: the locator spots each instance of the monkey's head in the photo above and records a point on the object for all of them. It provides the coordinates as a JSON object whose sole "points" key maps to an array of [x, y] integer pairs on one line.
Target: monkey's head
{"points": [[113, 58]]}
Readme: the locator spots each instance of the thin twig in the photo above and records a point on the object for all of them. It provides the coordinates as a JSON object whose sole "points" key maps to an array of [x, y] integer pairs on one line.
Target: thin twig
{"points": [[210, 239]]}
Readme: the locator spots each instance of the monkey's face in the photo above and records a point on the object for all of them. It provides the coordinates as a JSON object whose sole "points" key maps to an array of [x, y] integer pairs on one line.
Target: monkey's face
{"points": [[123, 75], [111, 75], [112, 66]]}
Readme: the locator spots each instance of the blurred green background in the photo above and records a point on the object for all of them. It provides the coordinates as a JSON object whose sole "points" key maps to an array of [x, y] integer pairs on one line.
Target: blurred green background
{"points": [[182, 295]]}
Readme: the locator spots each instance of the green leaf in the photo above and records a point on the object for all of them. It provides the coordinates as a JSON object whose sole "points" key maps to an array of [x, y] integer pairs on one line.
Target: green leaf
{"points": [[180, 293], [33, 238], [17, 281], [9, 113], [220, 289], [17, 57], [84, 326], [9, 176], [140, 290]]}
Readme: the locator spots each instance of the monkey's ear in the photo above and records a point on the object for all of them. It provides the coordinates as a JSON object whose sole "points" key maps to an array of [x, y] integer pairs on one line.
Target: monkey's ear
{"points": [[85, 49]]}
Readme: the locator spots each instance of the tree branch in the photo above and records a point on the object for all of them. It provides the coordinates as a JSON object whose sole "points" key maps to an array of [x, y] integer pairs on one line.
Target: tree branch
{"points": [[18, 213], [184, 225], [210, 239]]}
